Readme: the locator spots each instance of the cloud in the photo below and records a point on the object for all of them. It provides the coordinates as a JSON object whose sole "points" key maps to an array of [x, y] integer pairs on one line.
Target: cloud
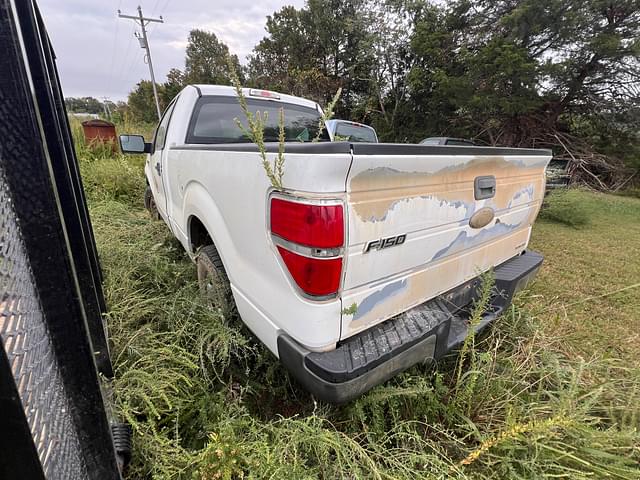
{"points": [[98, 56]]}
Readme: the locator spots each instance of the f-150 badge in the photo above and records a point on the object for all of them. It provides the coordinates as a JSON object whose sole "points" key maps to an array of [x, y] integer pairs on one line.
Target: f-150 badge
{"points": [[385, 243]]}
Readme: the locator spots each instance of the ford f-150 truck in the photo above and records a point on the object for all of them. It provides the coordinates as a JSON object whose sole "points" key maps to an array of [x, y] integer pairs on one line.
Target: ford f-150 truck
{"points": [[367, 259]]}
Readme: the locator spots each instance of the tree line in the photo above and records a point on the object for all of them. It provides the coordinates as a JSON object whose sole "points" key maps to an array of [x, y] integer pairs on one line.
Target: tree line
{"points": [[563, 74]]}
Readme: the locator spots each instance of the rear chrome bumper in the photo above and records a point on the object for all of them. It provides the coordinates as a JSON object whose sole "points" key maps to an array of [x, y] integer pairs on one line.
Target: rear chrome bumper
{"points": [[424, 333]]}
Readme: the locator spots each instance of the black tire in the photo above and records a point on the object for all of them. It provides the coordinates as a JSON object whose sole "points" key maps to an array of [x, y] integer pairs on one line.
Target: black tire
{"points": [[213, 280], [150, 203]]}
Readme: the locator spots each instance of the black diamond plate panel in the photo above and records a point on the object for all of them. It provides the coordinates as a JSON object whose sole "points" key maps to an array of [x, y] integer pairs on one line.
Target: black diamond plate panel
{"points": [[28, 347]]}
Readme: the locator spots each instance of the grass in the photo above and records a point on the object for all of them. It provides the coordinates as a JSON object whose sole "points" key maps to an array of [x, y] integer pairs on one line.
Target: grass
{"points": [[565, 206], [553, 390], [586, 290]]}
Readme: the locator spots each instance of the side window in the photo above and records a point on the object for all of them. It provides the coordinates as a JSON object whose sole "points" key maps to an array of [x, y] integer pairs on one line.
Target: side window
{"points": [[161, 131]]}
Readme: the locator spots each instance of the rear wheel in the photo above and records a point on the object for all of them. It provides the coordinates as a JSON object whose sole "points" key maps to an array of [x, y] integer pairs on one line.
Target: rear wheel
{"points": [[213, 280], [150, 203]]}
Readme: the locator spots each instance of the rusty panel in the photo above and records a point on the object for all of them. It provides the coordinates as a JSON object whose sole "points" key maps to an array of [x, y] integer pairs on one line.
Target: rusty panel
{"points": [[99, 131]]}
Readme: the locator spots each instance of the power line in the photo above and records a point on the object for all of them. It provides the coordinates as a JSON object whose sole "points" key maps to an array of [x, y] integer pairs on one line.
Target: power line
{"points": [[144, 43], [136, 57], [164, 7], [125, 58], [113, 51], [155, 7], [161, 11]]}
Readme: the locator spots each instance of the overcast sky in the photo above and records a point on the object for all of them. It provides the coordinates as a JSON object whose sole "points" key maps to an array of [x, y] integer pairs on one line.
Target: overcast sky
{"points": [[98, 55]]}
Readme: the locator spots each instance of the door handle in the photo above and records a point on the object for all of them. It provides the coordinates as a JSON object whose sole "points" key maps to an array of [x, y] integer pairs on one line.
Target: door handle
{"points": [[484, 187], [159, 169]]}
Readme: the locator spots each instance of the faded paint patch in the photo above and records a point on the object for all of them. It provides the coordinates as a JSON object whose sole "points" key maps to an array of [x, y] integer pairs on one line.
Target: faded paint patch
{"points": [[468, 239], [436, 278], [523, 196], [464, 240], [431, 206], [375, 191], [380, 296]]}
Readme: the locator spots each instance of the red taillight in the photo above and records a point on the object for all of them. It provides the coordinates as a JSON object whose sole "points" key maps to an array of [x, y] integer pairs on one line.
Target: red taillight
{"points": [[314, 276], [319, 226], [310, 238]]}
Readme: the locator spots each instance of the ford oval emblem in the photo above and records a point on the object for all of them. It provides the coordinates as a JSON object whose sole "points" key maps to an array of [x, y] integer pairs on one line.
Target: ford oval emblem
{"points": [[482, 217]]}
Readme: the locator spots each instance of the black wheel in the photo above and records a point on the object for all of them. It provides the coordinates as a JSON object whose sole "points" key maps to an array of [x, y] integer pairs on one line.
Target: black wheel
{"points": [[150, 203], [213, 280]]}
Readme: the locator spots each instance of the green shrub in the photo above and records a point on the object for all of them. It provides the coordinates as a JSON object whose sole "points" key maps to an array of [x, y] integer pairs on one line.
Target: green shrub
{"points": [[114, 178]]}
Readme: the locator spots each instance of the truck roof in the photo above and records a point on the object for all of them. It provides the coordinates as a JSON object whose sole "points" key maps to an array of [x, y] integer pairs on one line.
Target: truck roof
{"points": [[229, 91]]}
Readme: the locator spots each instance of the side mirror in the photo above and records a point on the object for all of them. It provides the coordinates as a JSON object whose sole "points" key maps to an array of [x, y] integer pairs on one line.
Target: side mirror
{"points": [[134, 144]]}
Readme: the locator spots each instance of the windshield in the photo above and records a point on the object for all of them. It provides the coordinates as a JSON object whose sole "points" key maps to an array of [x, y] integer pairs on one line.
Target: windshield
{"points": [[354, 132], [213, 121]]}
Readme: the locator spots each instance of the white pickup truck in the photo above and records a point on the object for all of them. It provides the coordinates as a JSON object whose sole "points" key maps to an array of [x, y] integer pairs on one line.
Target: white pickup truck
{"points": [[366, 261]]}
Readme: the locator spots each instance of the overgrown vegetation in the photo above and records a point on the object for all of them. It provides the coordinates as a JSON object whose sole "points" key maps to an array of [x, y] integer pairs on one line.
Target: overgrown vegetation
{"points": [[529, 399], [254, 130], [327, 114]]}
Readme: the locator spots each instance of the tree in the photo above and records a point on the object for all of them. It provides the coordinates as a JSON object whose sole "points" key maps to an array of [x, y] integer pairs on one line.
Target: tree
{"points": [[84, 105], [206, 59], [586, 50], [388, 107], [312, 51], [469, 88], [142, 103], [174, 84], [119, 112], [560, 74]]}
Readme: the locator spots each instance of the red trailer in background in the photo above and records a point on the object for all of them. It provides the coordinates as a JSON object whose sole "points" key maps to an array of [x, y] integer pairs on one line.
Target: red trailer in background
{"points": [[99, 131]]}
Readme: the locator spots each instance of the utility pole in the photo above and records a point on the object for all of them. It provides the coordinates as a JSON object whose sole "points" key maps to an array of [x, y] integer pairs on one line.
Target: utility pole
{"points": [[105, 105], [144, 43]]}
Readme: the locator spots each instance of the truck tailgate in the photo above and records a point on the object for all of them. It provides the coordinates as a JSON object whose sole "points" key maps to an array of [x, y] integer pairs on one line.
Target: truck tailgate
{"points": [[423, 220]]}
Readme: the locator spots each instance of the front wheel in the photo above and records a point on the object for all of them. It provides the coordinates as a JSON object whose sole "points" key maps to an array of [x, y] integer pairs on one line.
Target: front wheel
{"points": [[150, 203], [213, 280]]}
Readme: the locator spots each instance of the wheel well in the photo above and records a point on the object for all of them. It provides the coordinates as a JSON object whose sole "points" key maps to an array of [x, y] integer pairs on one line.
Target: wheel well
{"points": [[198, 234]]}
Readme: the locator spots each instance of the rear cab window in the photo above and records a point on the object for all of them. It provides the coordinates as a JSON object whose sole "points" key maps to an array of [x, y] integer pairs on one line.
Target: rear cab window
{"points": [[354, 132], [460, 142], [214, 121]]}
